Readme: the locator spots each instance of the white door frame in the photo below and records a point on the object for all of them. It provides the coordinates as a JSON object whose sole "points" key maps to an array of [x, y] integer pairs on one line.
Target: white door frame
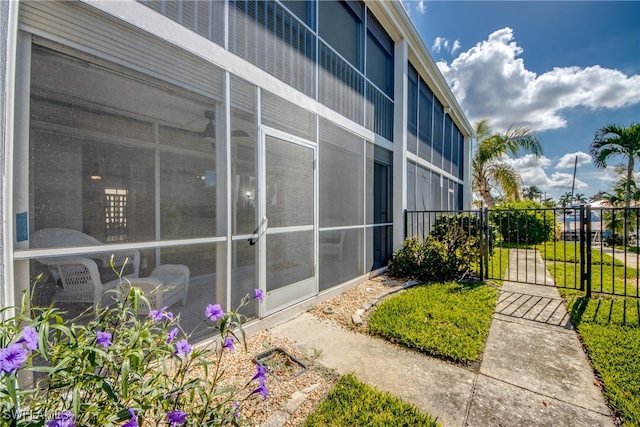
{"points": [[293, 293]]}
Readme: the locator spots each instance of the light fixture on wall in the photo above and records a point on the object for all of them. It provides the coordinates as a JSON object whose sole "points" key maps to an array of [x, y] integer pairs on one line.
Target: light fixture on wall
{"points": [[210, 130], [95, 173]]}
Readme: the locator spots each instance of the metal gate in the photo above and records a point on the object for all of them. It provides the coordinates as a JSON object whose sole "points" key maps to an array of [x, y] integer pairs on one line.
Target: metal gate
{"points": [[589, 249]]}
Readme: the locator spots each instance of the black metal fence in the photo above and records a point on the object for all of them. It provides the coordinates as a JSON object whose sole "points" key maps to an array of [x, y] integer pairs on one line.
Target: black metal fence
{"points": [[589, 249]]}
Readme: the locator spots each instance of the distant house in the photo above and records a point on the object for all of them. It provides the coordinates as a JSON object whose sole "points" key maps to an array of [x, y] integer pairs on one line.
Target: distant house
{"points": [[262, 144], [570, 223]]}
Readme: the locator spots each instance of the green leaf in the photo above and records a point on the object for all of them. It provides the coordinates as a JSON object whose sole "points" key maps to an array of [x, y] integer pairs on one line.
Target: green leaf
{"points": [[124, 378], [109, 390], [75, 402], [224, 390]]}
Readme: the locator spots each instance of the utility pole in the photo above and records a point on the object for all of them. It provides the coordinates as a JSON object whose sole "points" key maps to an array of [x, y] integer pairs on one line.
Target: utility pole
{"points": [[573, 184]]}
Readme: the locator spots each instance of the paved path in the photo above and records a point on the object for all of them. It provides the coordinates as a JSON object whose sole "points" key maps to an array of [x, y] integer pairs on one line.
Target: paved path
{"points": [[630, 259], [533, 373]]}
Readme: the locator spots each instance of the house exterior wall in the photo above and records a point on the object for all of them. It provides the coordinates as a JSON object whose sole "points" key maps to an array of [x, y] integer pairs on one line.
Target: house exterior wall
{"points": [[185, 130]]}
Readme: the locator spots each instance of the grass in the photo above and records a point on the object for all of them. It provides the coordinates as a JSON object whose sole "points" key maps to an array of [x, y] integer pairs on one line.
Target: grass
{"points": [[570, 252], [498, 264], [608, 275], [610, 330], [604, 279], [608, 326], [448, 320], [352, 403]]}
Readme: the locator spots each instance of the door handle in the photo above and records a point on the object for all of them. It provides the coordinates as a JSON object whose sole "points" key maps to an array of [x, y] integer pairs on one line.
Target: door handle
{"points": [[259, 231]]}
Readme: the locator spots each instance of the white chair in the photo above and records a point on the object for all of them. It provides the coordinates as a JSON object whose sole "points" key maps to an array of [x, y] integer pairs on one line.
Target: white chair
{"points": [[83, 278], [166, 285], [332, 241]]}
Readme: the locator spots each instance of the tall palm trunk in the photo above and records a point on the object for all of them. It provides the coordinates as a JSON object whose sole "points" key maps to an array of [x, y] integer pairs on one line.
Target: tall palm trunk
{"points": [[485, 192], [627, 199]]}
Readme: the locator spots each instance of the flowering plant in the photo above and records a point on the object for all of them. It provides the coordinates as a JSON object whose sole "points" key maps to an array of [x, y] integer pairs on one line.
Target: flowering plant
{"points": [[114, 367]]}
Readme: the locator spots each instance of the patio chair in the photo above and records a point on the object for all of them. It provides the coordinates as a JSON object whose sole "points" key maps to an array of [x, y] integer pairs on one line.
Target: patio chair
{"points": [[166, 285], [83, 278], [332, 242]]}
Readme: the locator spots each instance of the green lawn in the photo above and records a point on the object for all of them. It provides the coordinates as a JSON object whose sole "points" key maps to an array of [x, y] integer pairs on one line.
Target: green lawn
{"points": [[448, 320], [352, 403], [570, 252], [608, 326], [608, 274], [610, 330]]}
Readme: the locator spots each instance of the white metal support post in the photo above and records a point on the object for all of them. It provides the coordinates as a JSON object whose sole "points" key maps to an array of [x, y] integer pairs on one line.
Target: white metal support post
{"points": [[401, 67]]}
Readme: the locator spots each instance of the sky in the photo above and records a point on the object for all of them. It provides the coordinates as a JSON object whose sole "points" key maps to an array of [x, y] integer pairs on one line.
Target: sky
{"points": [[560, 68]]}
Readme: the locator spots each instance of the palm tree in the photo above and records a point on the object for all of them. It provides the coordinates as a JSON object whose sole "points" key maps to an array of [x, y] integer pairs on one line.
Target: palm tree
{"points": [[614, 140], [549, 202], [532, 192], [565, 200], [597, 197], [580, 198], [617, 197], [488, 167]]}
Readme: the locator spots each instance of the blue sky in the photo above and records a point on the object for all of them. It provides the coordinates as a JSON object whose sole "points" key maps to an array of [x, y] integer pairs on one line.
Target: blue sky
{"points": [[562, 69]]}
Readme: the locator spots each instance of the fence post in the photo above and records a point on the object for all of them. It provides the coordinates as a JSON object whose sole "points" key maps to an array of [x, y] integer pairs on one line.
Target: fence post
{"points": [[588, 251], [406, 216], [581, 242], [481, 243]]}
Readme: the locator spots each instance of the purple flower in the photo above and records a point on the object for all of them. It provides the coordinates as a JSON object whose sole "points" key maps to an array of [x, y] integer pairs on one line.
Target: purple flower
{"points": [[228, 344], [65, 419], [261, 374], [183, 347], [262, 390], [104, 339], [176, 418], [172, 335], [29, 338], [12, 357], [213, 312], [158, 315], [259, 295], [261, 377], [133, 422], [236, 406]]}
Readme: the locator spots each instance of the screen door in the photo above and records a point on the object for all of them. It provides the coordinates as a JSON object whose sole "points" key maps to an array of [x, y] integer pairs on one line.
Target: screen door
{"points": [[288, 203]]}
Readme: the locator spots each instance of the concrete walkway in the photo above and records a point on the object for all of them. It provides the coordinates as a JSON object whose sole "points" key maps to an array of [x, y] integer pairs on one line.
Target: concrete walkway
{"points": [[533, 373], [630, 259]]}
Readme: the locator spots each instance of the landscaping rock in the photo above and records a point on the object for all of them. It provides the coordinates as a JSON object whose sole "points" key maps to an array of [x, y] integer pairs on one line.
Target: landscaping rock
{"points": [[277, 419], [294, 403]]}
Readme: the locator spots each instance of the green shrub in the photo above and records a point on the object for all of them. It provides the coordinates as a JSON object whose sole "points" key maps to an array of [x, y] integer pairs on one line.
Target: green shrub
{"points": [[452, 248], [524, 222], [115, 367], [461, 236], [406, 260], [429, 261]]}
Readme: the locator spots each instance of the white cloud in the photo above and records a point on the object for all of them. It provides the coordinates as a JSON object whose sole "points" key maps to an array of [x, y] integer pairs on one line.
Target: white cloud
{"points": [[437, 44], [455, 47], [441, 43], [490, 80], [569, 160], [420, 6], [533, 172]]}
